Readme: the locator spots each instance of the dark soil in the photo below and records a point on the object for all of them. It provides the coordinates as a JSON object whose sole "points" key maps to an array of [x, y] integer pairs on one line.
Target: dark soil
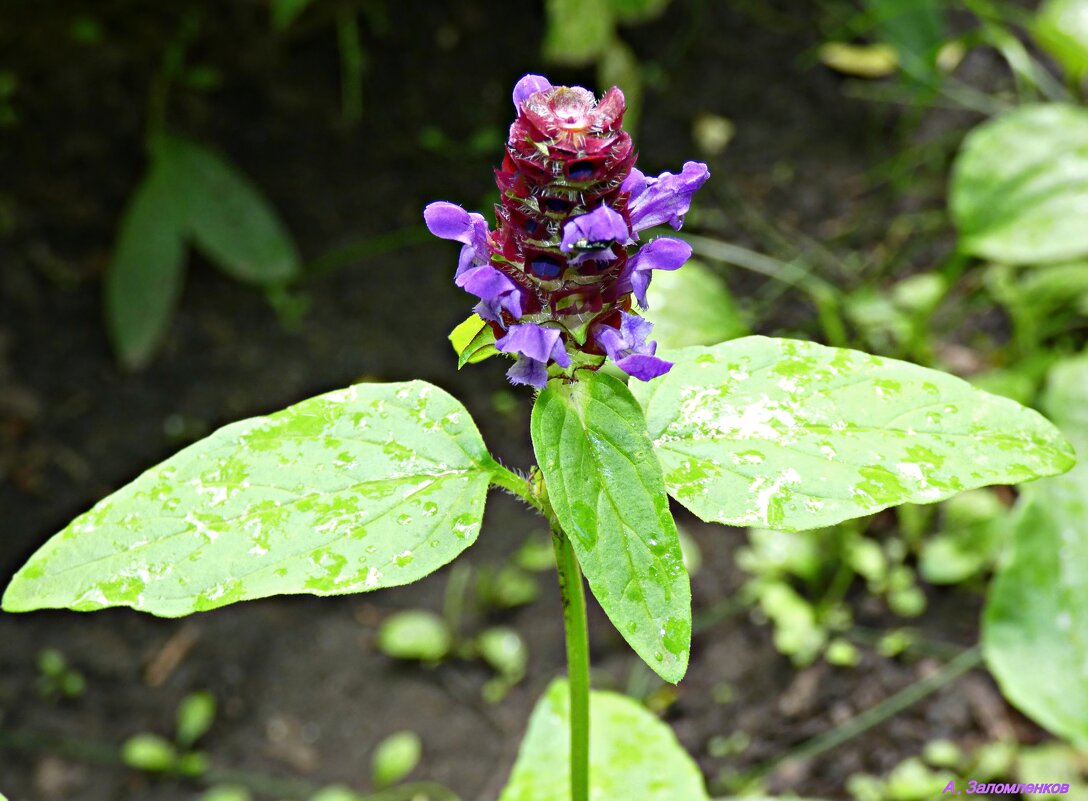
{"points": [[303, 691]]}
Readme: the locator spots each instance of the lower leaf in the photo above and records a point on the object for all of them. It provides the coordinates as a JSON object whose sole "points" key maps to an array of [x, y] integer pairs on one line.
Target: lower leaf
{"points": [[633, 756]]}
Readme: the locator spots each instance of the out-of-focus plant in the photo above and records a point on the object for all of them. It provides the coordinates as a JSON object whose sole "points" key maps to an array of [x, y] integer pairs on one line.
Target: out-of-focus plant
{"points": [[57, 679], [379, 485], [154, 753], [189, 196]]}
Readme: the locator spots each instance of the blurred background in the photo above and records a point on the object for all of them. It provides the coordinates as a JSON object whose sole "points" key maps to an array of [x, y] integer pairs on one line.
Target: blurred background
{"points": [[210, 210]]}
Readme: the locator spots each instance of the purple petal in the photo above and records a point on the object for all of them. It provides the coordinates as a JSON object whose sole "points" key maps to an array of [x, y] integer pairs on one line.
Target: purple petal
{"points": [[644, 367], [602, 226], [634, 184], [628, 348], [494, 288], [640, 282], [536, 342], [635, 330], [663, 253], [450, 221], [666, 198], [528, 85], [528, 371]]}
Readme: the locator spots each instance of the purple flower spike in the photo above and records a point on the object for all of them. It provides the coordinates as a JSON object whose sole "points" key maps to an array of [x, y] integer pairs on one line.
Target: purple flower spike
{"points": [[528, 85], [450, 221], [495, 291], [536, 342], [663, 253], [595, 231], [666, 198], [628, 348]]}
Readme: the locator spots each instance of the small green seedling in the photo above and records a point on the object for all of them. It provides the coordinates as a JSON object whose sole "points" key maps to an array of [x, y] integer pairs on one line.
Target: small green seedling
{"points": [[56, 678], [155, 754]]}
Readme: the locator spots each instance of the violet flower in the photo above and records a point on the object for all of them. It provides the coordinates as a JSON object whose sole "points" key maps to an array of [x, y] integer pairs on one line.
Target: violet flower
{"points": [[628, 348], [665, 198], [535, 347]]}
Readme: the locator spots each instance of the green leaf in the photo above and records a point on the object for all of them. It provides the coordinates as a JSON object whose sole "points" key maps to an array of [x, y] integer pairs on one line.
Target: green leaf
{"points": [[395, 757], [226, 216], [577, 31], [196, 713], [617, 65], [146, 273], [473, 341], [284, 12], [1061, 27], [633, 756], [607, 491], [148, 752], [915, 28], [1035, 626], [1019, 188], [415, 634], [793, 435], [372, 486], [636, 10], [227, 792], [973, 529], [505, 650], [692, 306]]}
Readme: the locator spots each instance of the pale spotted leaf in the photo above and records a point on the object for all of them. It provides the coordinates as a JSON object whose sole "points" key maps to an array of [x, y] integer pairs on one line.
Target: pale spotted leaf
{"points": [[792, 435], [372, 486]]}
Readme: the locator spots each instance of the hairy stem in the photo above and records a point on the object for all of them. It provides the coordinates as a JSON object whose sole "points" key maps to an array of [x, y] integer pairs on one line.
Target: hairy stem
{"points": [[574, 620]]}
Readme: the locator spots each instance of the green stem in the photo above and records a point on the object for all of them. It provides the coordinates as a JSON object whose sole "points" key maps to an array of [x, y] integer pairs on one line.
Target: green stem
{"points": [[574, 619]]}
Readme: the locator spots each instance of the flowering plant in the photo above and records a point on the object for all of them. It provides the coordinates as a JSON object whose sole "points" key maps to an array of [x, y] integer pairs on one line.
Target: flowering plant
{"points": [[378, 485]]}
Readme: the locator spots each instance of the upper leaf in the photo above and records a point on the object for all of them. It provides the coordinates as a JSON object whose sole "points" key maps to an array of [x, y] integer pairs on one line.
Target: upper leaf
{"points": [[226, 215], [633, 756], [1035, 628], [371, 486], [793, 435], [607, 491], [1019, 189], [145, 276]]}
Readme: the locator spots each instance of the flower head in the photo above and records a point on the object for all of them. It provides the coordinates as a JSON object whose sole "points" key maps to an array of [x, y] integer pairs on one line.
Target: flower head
{"points": [[557, 277]]}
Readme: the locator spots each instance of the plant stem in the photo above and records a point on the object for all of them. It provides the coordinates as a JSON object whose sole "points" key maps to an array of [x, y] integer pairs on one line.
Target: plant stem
{"points": [[574, 620]]}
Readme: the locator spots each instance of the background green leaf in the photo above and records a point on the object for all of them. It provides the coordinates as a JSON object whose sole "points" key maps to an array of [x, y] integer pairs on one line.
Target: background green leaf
{"points": [[284, 12], [1035, 627], [692, 306], [793, 435], [1061, 27], [636, 10], [633, 756], [146, 273], [577, 31], [607, 491], [915, 28], [371, 486], [226, 216], [1019, 188]]}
